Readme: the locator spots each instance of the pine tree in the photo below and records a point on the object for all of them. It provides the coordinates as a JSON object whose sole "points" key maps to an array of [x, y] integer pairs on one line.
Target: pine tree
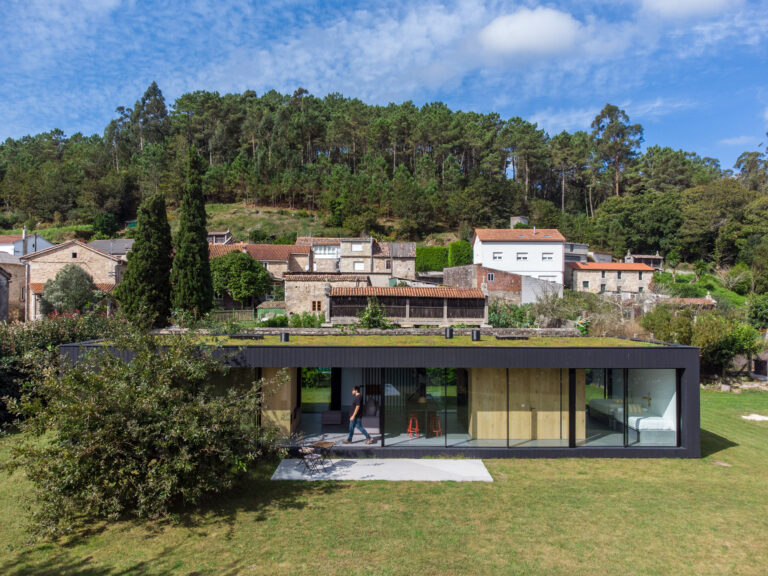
{"points": [[145, 291], [192, 288]]}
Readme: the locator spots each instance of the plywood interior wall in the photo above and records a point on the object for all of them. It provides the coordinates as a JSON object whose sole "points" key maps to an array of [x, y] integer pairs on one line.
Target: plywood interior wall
{"points": [[538, 404], [280, 400]]}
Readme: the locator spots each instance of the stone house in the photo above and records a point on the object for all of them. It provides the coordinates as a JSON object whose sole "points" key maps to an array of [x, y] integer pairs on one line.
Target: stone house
{"points": [[613, 278], [105, 269], [655, 261], [499, 285], [310, 292], [17, 270], [381, 261]]}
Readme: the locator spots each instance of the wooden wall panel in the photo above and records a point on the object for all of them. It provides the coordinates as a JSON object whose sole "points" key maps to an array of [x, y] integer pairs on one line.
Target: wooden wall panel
{"points": [[488, 403], [280, 401]]}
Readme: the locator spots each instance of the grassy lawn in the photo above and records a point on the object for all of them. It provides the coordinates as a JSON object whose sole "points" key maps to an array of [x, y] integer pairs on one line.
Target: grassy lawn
{"points": [[567, 516]]}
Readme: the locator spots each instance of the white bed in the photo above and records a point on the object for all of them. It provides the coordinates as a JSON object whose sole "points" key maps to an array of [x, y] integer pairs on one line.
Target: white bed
{"points": [[640, 418]]}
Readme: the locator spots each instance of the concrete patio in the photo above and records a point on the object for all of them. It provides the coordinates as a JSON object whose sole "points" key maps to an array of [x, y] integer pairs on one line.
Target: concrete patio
{"points": [[389, 469]]}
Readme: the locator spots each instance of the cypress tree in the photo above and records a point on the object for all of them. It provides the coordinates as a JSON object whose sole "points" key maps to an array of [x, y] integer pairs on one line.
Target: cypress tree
{"points": [[145, 291], [192, 288]]}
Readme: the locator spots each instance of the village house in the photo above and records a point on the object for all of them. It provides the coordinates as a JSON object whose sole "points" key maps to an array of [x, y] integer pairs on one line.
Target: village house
{"points": [[105, 269], [310, 292], [655, 261], [224, 237], [5, 280], [610, 278], [20, 244], [538, 253], [499, 285], [381, 261], [16, 271], [114, 246]]}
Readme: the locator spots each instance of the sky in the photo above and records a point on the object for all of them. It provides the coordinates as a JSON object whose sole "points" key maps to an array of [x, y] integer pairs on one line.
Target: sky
{"points": [[694, 73]]}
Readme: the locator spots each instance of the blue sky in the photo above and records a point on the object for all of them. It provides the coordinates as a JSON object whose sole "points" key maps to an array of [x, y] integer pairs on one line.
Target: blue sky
{"points": [[694, 73]]}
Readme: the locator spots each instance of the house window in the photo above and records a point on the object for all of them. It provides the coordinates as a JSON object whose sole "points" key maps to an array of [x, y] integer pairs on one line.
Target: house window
{"points": [[388, 264], [74, 254], [497, 255], [317, 306], [640, 290], [618, 289], [359, 266], [618, 275], [357, 247], [546, 256], [522, 256], [640, 276], [585, 284], [602, 287], [489, 277], [602, 274]]}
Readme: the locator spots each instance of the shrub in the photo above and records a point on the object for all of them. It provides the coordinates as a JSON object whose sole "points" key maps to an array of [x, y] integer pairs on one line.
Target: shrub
{"points": [[459, 253], [374, 316], [669, 324], [720, 339], [503, 314], [280, 321], [757, 312], [431, 258], [306, 320], [140, 437]]}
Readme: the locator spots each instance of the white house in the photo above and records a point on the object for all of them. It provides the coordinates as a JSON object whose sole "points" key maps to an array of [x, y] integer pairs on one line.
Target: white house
{"points": [[539, 253], [14, 244]]}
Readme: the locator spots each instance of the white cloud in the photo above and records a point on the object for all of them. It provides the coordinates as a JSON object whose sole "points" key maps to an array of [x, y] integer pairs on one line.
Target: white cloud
{"points": [[765, 115], [656, 108], [688, 8], [740, 141], [555, 121], [541, 31]]}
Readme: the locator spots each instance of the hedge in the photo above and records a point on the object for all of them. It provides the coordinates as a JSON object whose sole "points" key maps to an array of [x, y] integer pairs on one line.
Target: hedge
{"points": [[459, 253], [431, 258]]}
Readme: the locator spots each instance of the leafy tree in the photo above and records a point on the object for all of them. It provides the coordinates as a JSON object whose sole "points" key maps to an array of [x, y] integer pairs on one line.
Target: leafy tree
{"points": [[72, 289], [144, 293], [239, 276], [105, 224], [672, 261], [615, 140], [757, 311], [159, 436], [192, 289], [373, 316], [721, 339]]}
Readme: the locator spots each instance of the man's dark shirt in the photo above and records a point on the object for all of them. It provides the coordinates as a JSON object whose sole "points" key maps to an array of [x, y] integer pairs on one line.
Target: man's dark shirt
{"points": [[358, 402]]}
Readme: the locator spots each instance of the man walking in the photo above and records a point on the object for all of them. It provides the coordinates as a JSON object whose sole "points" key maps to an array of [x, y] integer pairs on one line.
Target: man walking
{"points": [[356, 419]]}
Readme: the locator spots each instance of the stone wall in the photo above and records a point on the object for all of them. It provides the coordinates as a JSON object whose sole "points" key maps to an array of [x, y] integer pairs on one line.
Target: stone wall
{"points": [[15, 291], [629, 282]]}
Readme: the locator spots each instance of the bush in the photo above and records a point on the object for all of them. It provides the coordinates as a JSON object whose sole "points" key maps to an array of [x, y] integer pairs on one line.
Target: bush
{"points": [[720, 339], [280, 321], [21, 344], [431, 258], [669, 324], [72, 289], [757, 311], [459, 253], [306, 320], [503, 314], [373, 316], [239, 276], [157, 436]]}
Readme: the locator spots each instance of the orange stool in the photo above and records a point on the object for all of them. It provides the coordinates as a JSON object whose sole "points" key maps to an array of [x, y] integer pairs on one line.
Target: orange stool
{"points": [[435, 426], [413, 426]]}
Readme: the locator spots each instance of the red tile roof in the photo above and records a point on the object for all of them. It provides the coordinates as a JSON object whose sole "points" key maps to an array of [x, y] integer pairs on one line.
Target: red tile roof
{"points": [[263, 252], [38, 287], [518, 235], [610, 266], [410, 292], [10, 238], [703, 302]]}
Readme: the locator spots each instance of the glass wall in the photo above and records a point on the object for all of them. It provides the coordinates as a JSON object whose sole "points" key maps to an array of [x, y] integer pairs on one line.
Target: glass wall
{"points": [[603, 407], [652, 418]]}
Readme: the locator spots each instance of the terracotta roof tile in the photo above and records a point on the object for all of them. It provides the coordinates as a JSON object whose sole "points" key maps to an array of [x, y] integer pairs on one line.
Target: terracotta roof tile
{"points": [[409, 292], [317, 241], [518, 235], [610, 266], [10, 238], [263, 252], [704, 302]]}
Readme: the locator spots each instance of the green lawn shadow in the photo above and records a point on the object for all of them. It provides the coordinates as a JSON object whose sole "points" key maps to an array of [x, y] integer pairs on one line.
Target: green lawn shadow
{"points": [[712, 443]]}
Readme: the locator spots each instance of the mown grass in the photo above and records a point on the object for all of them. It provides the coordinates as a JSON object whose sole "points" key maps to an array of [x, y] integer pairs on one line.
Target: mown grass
{"points": [[566, 516]]}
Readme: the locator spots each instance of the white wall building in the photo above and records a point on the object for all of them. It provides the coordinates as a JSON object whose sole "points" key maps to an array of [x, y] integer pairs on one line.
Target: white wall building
{"points": [[538, 253]]}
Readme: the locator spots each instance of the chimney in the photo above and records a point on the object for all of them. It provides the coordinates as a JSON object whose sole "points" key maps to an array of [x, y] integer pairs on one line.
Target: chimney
{"points": [[24, 241], [534, 230]]}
